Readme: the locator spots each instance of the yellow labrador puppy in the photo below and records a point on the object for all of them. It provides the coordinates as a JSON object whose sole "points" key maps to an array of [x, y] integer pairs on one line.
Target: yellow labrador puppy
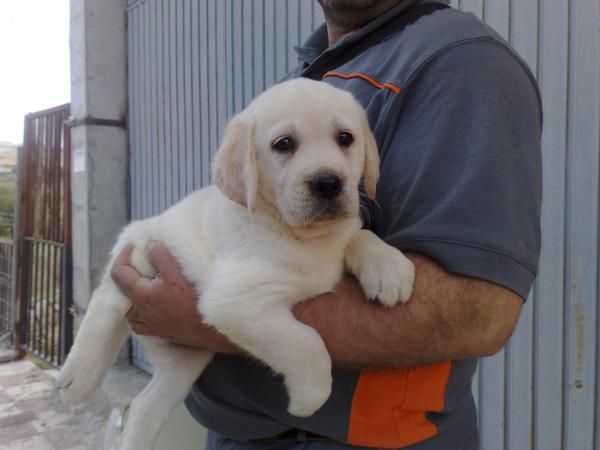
{"points": [[281, 225]]}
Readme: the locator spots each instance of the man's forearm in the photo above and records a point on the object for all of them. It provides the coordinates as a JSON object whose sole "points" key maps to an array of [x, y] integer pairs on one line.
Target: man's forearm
{"points": [[448, 317]]}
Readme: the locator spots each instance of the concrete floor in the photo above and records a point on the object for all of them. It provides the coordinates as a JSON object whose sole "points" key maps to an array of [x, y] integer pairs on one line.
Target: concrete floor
{"points": [[32, 416]]}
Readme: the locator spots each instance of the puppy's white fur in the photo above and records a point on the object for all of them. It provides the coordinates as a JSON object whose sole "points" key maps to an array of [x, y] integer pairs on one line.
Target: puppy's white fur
{"points": [[253, 245]]}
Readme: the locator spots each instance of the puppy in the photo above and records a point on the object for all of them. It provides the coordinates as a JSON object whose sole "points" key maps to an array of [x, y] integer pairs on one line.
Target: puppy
{"points": [[281, 225]]}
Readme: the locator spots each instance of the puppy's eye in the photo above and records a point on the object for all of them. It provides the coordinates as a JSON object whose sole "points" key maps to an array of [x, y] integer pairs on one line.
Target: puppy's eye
{"points": [[345, 139], [283, 145]]}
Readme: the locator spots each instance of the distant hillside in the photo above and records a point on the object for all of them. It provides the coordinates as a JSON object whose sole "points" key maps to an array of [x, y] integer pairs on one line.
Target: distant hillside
{"points": [[8, 180], [8, 154]]}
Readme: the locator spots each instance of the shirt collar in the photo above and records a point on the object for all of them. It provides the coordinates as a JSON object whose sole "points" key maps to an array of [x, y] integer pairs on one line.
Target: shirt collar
{"points": [[316, 44]]}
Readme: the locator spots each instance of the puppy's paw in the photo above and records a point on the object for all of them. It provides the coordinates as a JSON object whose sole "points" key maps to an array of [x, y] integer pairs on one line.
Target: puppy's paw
{"points": [[387, 276], [80, 376], [306, 399]]}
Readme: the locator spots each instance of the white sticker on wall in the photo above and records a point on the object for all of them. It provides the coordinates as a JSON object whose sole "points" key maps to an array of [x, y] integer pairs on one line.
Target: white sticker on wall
{"points": [[79, 160]]}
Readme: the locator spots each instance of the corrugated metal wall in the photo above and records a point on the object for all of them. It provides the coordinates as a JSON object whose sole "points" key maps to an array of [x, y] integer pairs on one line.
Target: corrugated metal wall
{"points": [[193, 63]]}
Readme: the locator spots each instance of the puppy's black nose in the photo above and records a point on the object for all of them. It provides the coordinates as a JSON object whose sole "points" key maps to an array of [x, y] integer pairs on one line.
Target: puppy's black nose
{"points": [[326, 185]]}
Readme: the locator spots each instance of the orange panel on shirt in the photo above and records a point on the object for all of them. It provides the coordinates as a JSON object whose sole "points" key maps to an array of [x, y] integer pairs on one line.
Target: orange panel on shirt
{"points": [[389, 406]]}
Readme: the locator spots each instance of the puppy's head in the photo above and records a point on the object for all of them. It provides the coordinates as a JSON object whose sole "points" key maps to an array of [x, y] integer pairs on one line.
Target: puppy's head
{"points": [[300, 149]]}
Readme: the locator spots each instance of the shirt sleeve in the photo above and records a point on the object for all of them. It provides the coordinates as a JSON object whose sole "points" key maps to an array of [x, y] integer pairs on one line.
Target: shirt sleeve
{"points": [[461, 166]]}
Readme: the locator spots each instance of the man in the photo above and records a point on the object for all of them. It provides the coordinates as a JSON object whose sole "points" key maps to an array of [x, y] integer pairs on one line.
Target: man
{"points": [[457, 117]]}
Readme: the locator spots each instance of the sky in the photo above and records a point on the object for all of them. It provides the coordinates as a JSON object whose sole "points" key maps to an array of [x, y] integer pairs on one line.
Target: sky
{"points": [[34, 61]]}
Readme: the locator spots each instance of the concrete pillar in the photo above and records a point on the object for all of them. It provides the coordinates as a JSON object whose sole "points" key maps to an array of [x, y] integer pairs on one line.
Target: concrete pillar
{"points": [[98, 137]]}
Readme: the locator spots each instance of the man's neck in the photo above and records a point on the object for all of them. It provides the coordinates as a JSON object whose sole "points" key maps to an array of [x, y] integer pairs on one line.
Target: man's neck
{"points": [[340, 23], [335, 33]]}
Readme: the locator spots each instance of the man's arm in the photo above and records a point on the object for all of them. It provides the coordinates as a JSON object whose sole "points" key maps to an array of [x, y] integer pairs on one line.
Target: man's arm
{"points": [[448, 316]]}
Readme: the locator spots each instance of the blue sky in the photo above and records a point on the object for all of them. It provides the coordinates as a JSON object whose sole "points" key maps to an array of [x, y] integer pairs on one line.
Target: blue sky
{"points": [[34, 60]]}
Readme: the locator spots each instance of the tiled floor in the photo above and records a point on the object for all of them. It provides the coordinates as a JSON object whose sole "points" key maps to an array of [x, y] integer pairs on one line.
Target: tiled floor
{"points": [[32, 416]]}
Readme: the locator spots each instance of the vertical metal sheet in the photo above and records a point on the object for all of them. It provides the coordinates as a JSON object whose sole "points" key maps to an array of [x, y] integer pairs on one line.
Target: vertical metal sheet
{"points": [[497, 15], [221, 68], [163, 122], [474, 6], [491, 404], [257, 53], [151, 111], [548, 316], [188, 97], [581, 252], [523, 25], [195, 63]]}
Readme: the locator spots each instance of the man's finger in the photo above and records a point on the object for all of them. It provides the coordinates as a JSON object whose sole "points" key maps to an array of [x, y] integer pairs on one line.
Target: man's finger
{"points": [[133, 314], [140, 328], [164, 263], [125, 276]]}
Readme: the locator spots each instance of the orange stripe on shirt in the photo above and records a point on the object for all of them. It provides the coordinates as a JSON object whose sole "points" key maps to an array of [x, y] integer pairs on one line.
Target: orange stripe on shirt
{"points": [[389, 407], [372, 81]]}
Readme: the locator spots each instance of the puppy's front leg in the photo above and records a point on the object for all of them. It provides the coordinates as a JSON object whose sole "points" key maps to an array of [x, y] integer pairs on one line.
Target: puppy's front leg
{"points": [[258, 319], [384, 272]]}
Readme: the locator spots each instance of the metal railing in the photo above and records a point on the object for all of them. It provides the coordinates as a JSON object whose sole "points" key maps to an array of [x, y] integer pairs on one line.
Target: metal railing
{"points": [[7, 312], [47, 269]]}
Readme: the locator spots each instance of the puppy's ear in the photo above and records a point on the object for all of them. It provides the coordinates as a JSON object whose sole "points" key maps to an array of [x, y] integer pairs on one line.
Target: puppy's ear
{"points": [[371, 167], [235, 171]]}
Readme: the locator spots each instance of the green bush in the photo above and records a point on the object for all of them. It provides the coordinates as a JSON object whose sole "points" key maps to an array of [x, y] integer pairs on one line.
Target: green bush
{"points": [[7, 210]]}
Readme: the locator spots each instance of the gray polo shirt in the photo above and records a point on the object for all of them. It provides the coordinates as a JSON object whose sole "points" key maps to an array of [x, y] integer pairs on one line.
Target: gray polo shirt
{"points": [[457, 117]]}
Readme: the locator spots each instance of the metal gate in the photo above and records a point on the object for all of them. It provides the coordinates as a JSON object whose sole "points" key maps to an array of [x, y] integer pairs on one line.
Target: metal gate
{"points": [[6, 298], [7, 263], [44, 326]]}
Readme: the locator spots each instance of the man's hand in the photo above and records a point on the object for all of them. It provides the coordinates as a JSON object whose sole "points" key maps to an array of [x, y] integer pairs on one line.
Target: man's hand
{"points": [[165, 306]]}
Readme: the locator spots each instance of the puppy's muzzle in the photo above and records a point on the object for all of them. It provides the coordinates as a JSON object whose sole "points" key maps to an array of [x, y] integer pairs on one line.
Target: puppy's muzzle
{"points": [[326, 186]]}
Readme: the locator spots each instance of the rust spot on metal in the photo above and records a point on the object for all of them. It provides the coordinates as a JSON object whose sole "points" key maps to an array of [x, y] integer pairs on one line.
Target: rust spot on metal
{"points": [[579, 317]]}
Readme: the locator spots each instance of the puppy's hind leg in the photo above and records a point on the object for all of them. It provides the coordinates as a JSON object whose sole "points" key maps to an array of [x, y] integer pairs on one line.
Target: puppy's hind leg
{"points": [[103, 328], [176, 368], [96, 345]]}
